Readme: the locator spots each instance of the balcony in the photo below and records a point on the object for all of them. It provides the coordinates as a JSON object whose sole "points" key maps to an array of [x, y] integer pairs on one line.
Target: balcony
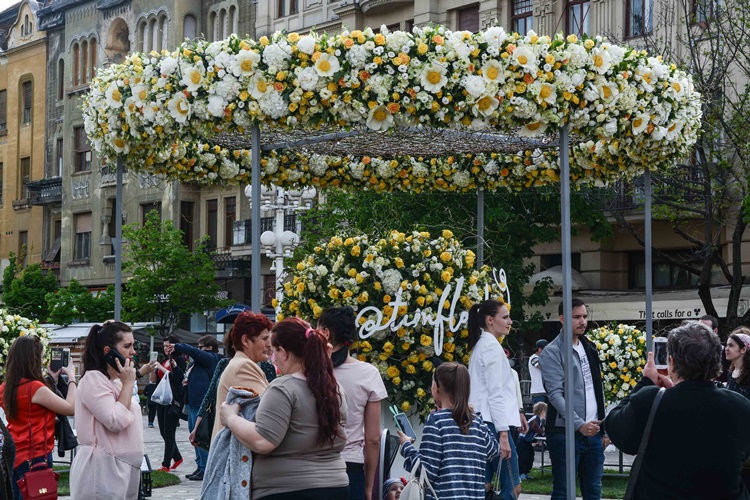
{"points": [[242, 230], [230, 266], [45, 191], [373, 6]]}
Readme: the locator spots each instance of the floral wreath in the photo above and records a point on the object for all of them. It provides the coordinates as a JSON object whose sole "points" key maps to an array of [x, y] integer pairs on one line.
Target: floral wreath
{"points": [[13, 326], [166, 112], [417, 270], [622, 352]]}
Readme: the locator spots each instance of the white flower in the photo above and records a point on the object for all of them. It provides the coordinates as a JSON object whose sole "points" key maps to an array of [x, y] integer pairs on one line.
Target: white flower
{"points": [[119, 145], [601, 60], [493, 72], [168, 65], [640, 123], [179, 107], [494, 36], [391, 281], [114, 95], [544, 92], [486, 105], [673, 130], [474, 85], [228, 170], [273, 105], [379, 118], [258, 86], [276, 56], [318, 164], [192, 77], [433, 77], [327, 65], [308, 79], [216, 106], [245, 63], [525, 58], [306, 44], [533, 129]]}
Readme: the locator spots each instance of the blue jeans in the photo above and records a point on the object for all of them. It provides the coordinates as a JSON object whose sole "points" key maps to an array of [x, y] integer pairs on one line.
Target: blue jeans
{"points": [[22, 469], [508, 472], [589, 465], [356, 473], [201, 455]]}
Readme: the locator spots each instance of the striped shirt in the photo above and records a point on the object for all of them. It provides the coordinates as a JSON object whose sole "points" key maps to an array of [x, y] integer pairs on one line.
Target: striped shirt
{"points": [[454, 462]]}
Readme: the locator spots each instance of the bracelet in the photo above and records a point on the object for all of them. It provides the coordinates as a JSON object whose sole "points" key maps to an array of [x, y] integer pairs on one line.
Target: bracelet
{"points": [[73, 382]]}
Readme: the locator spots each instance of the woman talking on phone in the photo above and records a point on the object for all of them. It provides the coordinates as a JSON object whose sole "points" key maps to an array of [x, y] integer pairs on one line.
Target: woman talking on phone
{"points": [[108, 418]]}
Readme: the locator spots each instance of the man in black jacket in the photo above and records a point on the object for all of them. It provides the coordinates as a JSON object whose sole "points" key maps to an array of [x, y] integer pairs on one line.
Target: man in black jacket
{"points": [[700, 435]]}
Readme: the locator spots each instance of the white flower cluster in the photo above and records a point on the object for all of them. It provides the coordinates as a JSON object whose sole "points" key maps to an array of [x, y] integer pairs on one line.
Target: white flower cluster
{"points": [[14, 326], [622, 352]]}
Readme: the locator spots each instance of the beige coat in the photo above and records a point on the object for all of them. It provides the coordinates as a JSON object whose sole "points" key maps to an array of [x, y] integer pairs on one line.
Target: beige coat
{"points": [[240, 372]]}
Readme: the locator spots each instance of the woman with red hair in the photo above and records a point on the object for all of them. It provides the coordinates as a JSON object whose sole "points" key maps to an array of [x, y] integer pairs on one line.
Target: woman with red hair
{"points": [[251, 339], [298, 433]]}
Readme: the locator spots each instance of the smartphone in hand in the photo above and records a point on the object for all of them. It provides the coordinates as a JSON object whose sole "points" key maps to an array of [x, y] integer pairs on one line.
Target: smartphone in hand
{"points": [[403, 424], [113, 355], [56, 360]]}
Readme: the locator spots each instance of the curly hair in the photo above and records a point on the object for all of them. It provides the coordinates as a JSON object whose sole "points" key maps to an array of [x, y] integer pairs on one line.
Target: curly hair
{"points": [[250, 324], [310, 347], [696, 352]]}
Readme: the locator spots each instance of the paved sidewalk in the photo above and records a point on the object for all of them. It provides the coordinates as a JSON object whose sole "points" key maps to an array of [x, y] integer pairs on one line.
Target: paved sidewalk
{"points": [[190, 490]]}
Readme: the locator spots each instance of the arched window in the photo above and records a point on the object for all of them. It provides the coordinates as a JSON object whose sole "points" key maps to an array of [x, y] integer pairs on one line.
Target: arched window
{"points": [[222, 24], [140, 33], [189, 27], [60, 79], [212, 27], [76, 64], [164, 31], [84, 61], [232, 19], [92, 49], [154, 31]]}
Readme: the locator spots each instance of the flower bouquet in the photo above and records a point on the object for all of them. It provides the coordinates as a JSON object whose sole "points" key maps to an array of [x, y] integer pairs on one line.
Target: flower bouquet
{"points": [[14, 326], [622, 351]]}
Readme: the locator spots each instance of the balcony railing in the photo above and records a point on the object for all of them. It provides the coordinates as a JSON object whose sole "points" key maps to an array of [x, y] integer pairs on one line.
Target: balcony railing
{"points": [[242, 228], [45, 191]]}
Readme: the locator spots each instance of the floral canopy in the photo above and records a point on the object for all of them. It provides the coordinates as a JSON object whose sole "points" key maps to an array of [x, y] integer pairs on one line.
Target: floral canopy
{"points": [[428, 110]]}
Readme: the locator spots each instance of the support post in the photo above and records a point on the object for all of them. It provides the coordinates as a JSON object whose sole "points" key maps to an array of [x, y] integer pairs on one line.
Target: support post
{"points": [[118, 237], [480, 228], [647, 250], [255, 222], [570, 465]]}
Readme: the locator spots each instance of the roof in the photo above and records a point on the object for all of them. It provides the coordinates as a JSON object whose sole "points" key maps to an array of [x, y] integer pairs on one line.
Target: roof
{"points": [[7, 20], [75, 333]]}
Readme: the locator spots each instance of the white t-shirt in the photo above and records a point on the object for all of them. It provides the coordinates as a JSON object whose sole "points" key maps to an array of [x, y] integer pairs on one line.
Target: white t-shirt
{"points": [[537, 387], [588, 382], [363, 384]]}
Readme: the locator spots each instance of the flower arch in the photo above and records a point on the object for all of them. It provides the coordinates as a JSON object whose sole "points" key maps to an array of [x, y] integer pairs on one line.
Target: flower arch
{"points": [[183, 114]]}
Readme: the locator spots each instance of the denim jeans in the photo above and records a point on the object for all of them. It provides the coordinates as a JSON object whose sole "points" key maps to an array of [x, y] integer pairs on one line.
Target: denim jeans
{"points": [[589, 457], [508, 472], [356, 473], [22, 469], [201, 455]]}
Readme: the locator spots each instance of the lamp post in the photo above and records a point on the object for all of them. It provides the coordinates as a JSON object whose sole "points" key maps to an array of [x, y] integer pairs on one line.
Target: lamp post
{"points": [[280, 242]]}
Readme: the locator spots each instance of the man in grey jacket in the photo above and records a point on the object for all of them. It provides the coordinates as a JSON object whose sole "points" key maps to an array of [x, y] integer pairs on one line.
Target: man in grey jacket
{"points": [[587, 398]]}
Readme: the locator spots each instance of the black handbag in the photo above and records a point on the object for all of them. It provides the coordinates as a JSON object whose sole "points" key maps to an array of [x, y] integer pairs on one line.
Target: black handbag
{"points": [[205, 428]]}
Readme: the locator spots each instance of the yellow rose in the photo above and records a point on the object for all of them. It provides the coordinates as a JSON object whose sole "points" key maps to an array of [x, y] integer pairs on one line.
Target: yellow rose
{"points": [[406, 406], [386, 298], [411, 370], [363, 297], [377, 286], [362, 357], [445, 256], [447, 234], [352, 273], [445, 276], [399, 262], [397, 380], [613, 365], [388, 347], [405, 346], [420, 301], [275, 302], [263, 40], [355, 251], [425, 340], [317, 311], [334, 293], [392, 371], [300, 266], [300, 287], [349, 242], [450, 347], [421, 393], [427, 365], [348, 293], [366, 347], [572, 38]]}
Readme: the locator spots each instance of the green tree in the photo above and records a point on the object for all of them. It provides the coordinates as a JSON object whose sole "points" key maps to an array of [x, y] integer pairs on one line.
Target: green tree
{"points": [[514, 224], [24, 290], [75, 303], [167, 280]]}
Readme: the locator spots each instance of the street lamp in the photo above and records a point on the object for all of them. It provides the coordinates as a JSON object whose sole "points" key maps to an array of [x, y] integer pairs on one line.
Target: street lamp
{"points": [[280, 243]]}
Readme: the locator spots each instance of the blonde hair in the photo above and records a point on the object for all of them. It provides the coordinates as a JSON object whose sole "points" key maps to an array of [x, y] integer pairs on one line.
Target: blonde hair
{"points": [[540, 408]]}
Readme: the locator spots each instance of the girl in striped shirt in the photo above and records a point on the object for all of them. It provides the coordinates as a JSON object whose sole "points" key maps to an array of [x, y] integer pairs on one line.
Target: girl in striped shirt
{"points": [[456, 444]]}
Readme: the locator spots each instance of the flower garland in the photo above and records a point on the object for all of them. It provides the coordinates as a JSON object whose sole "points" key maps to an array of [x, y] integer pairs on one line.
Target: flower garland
{"points": [[361, 272], [14, 326], [622, 351], [627, 110]]}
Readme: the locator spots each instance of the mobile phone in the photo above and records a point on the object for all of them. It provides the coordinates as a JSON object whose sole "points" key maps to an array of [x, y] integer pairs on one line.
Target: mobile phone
{"points": [[56, 359], [65, 357], [402, 422], [153, 356], [660, 353], [113, 355]]}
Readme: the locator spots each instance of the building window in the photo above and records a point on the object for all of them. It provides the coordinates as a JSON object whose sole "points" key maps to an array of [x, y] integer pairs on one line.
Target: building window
{"points": [[638, 17], [555, 260], [705, 10], [522, 19], [189, 27], [83, 151], [187, 223], [280, 8], [60, 79], [24, 175], [212, 222], [92, 50], [578, 17], [84, 61], [230, 215], [23, 247], [2, 182], [269, 289], [26, 104], [468, 19], [147, 208], [76, 65], [59, 151], [3, 111], [293, 7], [82, 243], [665, 274]]}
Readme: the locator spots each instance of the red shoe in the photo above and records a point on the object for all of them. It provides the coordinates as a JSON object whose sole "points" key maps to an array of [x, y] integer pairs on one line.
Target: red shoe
{"points": [[177, 464], [163, 469]]}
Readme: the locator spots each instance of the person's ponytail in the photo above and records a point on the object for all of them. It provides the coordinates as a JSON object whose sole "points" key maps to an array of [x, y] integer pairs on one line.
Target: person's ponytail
{"points": [[100, 336], [475, 329], [321, 381]]}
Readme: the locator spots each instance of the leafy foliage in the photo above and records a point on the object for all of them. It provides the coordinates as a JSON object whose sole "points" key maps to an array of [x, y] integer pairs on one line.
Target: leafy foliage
{"points": [[24, 290], [167, 279], [76, 303]]}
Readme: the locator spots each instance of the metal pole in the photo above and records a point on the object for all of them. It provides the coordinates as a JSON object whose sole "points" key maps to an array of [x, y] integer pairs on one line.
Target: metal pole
{"points": [[570, 465], [647, 250], [281, 202], [480, 228], [255, 222], [118, 238]]}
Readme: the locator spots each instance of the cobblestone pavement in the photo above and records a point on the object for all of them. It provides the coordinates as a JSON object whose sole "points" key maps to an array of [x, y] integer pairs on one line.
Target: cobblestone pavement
{"points": [[190, 490]]}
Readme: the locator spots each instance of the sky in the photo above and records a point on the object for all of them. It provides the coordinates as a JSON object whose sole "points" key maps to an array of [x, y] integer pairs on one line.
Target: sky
{"points": [[4, 4]]}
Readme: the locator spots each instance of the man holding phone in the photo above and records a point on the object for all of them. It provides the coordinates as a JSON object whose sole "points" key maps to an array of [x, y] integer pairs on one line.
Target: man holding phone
{"points": [[587, 398]]}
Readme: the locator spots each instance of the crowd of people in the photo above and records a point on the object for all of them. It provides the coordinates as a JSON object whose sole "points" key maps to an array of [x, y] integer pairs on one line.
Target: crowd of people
{"points": [[313, 432]]}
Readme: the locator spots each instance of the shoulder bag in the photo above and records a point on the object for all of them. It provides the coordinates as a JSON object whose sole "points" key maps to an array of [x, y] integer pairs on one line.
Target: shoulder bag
{"points": [[205, 428], [636, 468], [40, 482], [416, 487]]}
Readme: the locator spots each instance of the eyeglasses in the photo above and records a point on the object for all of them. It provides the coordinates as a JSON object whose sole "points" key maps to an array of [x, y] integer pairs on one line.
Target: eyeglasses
{"points": [[204, 347]]}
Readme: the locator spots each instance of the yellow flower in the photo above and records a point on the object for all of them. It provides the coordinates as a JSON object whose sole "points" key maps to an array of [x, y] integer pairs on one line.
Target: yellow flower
{"points": [[388, 347], [445, 276], [300, 287], [317, 311], [572, 38], [399, 262], [449, 347], [377, 286], [392, 371], [427, 365], [613, 365], [275, 302], [411, 370], [420, 301], [421, 393], [405, 346], [348, 293], [366, 347], [397, 380], [363, 297], [349, 242], [386, 298], [334, 293], [447, 234], [425, 340], [445, 256], [355, 251], [406, 406], [362, 357]]}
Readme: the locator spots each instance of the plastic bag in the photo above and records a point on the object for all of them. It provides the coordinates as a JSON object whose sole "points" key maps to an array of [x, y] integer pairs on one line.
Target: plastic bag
{"points": [[163, 393]]}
